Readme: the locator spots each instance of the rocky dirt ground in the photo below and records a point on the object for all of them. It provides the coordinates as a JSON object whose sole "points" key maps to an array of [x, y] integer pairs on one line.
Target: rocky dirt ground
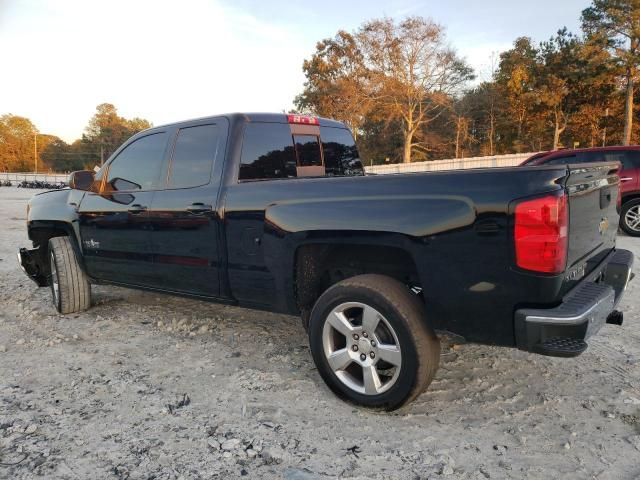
{"points": [[145, 386]]}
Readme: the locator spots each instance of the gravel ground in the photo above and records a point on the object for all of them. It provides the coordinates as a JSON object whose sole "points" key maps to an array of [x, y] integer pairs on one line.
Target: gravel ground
{"points": [[150, 386]]}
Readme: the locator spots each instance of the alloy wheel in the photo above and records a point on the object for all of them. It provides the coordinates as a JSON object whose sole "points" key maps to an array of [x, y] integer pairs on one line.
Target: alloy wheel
{"points": [[362, 348], [632, 218]]}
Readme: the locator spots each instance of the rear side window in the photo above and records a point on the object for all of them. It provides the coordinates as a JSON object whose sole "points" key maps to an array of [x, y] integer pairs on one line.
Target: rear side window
{"points": [[267, 152], [631, 161], [193, 156], [625, 158], [137, 166], [340, 152]]}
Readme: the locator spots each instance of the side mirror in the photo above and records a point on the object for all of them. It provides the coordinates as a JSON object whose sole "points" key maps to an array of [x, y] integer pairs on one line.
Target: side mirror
{"points": [[81, 180]]}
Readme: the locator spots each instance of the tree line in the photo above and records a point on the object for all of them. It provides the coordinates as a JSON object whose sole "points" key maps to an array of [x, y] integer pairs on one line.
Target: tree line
{"points": [[23, 148], [409, 97]]}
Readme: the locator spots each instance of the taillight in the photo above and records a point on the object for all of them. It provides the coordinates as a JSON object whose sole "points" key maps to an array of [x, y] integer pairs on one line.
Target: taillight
{"points": [[541, 234]]}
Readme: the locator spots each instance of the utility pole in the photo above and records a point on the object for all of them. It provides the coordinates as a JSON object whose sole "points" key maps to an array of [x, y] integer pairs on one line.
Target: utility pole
{"points": [[604, 130], [35, 152], [101, 155]]}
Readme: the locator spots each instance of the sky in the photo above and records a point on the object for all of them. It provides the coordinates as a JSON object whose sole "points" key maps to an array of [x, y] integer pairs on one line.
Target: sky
{"points": [[174, 60]]}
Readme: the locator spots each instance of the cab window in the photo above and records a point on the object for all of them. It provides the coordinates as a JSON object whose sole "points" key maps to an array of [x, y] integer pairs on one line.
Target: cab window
{"points": [[631, 160], [267, 152], [138, 166], [193, 156]]}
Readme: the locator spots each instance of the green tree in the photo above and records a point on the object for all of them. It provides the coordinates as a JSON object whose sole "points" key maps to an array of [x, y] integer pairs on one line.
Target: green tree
{"points": [[107, 130], [516, 78]]}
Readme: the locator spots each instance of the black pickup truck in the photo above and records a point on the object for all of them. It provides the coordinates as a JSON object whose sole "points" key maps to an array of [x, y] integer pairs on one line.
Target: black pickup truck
{"points": [[274, 212]]}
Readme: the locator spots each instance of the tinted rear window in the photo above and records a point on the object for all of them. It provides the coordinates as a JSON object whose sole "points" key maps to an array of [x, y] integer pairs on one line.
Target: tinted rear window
{"points": [[340, 152], [270, 150], [193, 156], [308, 150], [267, 152]]}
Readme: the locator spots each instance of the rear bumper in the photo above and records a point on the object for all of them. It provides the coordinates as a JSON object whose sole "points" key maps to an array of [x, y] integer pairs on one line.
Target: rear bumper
{"points": [[29, 261], [562, 331]]}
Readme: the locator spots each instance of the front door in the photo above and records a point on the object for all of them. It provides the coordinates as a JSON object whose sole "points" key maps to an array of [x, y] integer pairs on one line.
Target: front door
{"points": [[114, 220], [184, 224]]}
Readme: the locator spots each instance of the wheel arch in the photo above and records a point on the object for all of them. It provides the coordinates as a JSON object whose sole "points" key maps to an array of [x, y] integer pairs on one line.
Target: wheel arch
{"points": [[317, 265], [630, 196], [41, 231]]}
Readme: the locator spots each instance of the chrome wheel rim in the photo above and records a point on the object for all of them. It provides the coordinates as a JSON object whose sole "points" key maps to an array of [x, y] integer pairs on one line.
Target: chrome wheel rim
{"points": [[55, 288], [361, 348], [632, 218]]}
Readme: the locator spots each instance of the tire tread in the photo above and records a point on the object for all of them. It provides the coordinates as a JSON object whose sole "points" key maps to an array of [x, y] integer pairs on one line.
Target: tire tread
{"points": [[413, 315], [74, 288]]}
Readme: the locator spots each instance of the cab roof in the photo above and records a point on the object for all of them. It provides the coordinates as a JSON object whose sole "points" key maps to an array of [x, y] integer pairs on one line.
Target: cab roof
{"points": [[259, 117]]}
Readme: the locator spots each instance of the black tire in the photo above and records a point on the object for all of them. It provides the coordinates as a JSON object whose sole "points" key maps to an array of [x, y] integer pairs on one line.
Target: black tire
{"points": [[398, 308], [70, 287], [630, 210]]}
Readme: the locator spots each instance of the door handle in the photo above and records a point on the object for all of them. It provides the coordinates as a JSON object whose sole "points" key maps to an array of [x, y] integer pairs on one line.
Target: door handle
{"points": [[198, 207], [626, 179], [137, 208]]}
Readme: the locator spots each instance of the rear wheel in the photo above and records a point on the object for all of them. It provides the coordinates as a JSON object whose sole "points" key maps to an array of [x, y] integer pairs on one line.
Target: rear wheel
{"points": [[371, 342], [630, 217], [70, 287]]}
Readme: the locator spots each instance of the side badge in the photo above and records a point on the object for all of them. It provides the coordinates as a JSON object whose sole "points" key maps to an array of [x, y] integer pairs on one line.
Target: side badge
{"points": [[91, 244]]}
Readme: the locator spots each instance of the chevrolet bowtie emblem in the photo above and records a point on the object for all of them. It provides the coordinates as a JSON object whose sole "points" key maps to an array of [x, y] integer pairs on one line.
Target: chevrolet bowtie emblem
{"points": [[603, 225]]}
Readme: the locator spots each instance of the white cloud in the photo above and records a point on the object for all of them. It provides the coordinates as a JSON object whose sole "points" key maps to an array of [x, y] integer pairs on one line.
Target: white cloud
{"points": [[160, 60]]}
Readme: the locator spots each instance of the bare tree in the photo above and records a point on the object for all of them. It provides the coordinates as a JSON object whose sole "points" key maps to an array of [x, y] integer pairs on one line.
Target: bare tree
{"points": [[413, 73]]}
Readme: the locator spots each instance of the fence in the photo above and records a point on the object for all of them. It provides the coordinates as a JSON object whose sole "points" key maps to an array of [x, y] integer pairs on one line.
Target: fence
{"points": [[43, 177], [451, 164]]}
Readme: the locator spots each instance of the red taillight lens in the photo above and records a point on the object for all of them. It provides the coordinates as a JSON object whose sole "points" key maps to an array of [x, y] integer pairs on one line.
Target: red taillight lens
{"points": [[541, 231]]}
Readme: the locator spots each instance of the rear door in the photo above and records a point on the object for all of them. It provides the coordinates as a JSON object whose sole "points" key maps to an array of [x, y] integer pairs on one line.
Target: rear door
{"points": [[593, 190], [185, 225], [114, 227], [630, 174]]}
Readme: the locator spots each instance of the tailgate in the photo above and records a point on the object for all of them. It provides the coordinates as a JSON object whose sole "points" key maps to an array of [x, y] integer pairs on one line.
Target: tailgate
{"points": [[593, 215]]}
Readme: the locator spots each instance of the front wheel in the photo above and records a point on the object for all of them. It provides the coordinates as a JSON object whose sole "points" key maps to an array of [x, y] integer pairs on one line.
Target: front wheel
{"points": [[70, 287], [371, 342], [630, 217]]}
